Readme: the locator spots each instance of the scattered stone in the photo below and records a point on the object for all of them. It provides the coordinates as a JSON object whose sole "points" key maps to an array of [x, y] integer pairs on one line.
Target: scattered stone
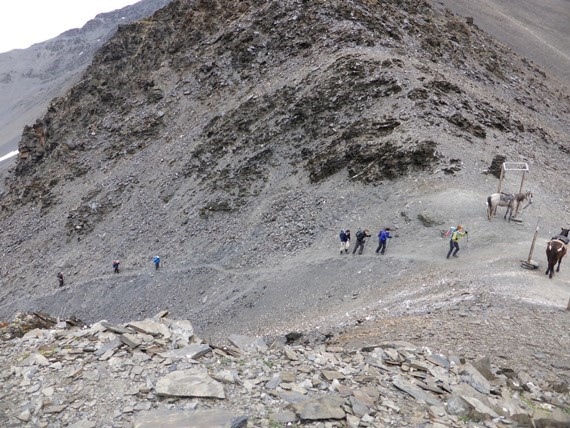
{"points": [[420, 395], [151, 327], [190, 352], [212, 418], [474, 378], [327, 407], [25, 416], [248, 344], [193, 382], [278, 384], [117, 328], [109, 347], [130, 340]]}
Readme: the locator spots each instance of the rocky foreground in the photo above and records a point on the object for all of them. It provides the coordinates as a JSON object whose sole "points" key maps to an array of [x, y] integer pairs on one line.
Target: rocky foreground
{"points": [[157, 372]]}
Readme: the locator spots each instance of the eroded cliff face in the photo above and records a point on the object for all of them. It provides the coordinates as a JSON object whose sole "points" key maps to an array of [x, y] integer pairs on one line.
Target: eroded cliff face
{"points": [[237, 133], [30, 78]]}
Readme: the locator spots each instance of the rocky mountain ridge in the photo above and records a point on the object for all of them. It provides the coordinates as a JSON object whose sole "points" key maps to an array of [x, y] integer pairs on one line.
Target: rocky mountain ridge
{"points": [[30, 78], [242, 115]]}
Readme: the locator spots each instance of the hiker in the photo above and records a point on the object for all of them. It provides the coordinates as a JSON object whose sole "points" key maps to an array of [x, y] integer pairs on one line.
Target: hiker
{"points": [[116, 264], [156, 261], [361, 236], [344, 241], [60, 278], [383, 237], [456, 235]]}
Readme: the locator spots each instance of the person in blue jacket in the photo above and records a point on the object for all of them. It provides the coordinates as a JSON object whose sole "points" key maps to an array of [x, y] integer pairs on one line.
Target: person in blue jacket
{"points": [[383, 237], [156, 261]]}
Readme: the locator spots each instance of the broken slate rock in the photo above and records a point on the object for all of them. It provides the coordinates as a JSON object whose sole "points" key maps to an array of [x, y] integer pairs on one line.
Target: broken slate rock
{"points": [[247, 343], [416, 392], [119, 329], [211, 418], [191, 352], [151, 327], [327, 407], [473, 377], [194, 382], [108, 347]]}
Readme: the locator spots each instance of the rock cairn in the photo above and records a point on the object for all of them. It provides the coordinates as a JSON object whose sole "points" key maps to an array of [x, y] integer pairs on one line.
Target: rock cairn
{"points": [[157, 372]]}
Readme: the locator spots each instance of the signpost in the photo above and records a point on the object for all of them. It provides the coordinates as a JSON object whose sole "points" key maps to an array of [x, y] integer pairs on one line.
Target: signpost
{"points": [[513, 166]]}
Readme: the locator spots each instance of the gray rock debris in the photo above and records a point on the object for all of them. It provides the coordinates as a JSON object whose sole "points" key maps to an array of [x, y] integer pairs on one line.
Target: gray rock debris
{"points": [[87, 377]]}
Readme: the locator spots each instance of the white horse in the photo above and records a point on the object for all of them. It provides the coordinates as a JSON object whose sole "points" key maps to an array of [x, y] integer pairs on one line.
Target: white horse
{"points": [[509, 200]]}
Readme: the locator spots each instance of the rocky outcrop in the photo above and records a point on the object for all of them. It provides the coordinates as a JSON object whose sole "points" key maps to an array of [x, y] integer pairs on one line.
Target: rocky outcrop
{"points": [[30, 78], [157, 372]]}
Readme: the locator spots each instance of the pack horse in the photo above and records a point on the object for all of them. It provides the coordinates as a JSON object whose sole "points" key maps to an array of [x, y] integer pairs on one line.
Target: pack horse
{"points": [[509, 200], [555, 250]]}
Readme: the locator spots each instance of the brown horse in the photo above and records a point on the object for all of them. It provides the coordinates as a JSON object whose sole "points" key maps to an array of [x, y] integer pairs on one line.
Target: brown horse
{"points": [[555, 250]]}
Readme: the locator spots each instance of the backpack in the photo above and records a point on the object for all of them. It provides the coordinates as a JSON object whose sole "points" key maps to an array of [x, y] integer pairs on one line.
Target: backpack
{"points": [[450, 232], [342, 236], [360, 235]]}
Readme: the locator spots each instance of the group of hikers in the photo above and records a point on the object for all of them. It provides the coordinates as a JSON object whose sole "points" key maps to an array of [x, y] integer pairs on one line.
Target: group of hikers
{"points": [[455, 234], [115, 264], [361, 236]]}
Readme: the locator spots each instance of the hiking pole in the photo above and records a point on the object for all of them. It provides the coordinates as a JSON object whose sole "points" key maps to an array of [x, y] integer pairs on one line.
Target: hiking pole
{"points": [[529, 263]]}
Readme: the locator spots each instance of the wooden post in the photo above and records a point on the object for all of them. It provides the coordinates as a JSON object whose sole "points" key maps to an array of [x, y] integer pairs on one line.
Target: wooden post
{"points": [[501, 177], [529, 263], [522, 182], [533, 242]]}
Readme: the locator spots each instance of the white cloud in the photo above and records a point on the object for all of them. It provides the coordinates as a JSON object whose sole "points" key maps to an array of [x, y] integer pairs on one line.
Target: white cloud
{"points": [[25, 22]]}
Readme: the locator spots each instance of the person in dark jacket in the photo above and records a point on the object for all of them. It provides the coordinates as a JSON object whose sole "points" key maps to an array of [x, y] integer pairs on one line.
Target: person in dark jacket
{"points": [[344, 241], [361, 236], [60, 278], [116, 264], [383, 237]]}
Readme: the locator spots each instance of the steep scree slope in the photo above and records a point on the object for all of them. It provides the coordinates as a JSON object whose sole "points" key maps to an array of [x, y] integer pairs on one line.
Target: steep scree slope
{"points": [[235, 139]]}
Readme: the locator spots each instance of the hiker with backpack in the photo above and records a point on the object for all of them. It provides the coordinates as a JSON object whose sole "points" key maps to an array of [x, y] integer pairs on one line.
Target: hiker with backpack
{"points": [[156, 261], [344, 241], [361, 236], [116, 264], [383, 237], [456, 235]]}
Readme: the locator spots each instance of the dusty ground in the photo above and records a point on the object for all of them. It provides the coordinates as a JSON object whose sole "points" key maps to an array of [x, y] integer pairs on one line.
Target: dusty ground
{"points": [[482, 303]]}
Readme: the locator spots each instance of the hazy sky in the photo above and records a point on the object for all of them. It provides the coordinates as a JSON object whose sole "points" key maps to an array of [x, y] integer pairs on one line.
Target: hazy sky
{"points": [[25, 22]]}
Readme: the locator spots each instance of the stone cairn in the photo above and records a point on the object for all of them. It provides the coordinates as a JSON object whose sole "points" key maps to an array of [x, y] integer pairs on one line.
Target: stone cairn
{"points": [[158, 373]]}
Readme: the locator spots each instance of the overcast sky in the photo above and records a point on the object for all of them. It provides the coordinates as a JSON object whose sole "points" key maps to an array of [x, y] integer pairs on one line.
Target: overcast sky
{"points": [[25, 22]]}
